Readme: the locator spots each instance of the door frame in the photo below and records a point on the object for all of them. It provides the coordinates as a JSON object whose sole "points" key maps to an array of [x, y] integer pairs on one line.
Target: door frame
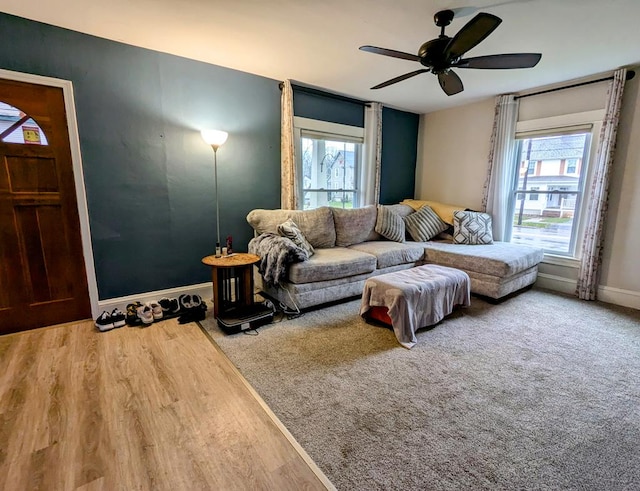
{"points": [[78, 176]]}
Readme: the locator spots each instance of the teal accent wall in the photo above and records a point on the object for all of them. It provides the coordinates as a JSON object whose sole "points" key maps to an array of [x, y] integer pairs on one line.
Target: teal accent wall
{"points": [[399, 153], [316, 106], [148, 174]]}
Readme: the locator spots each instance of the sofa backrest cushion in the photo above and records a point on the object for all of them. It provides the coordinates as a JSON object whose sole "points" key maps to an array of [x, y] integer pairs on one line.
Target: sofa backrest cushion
{"points": [[316, 225], [355, 225]]}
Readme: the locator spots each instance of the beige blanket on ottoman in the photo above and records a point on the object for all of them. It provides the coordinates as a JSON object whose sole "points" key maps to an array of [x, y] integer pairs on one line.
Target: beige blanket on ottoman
{"points": [[416, 297]]}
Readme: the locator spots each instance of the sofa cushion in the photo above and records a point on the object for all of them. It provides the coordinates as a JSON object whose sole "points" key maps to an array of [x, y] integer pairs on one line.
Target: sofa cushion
{"points": [[498, 259], [316, 225], [332, 263], [290, 230], [472, 227], [392, 253], [389, 224], [354, 225], [424, 224]]}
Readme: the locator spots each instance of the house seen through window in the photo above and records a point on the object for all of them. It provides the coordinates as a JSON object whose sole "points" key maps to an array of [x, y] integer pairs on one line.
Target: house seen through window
{"points": [[18, 127], [329, 163], [549, 189]]}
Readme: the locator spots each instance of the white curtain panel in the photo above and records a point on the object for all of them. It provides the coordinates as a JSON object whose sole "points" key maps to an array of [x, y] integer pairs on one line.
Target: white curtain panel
{"points": [[370, 175], [589, 272], [499, 183], [289, 194]]}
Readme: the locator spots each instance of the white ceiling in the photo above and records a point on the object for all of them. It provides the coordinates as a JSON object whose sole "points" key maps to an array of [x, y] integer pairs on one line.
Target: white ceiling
{"points": [[315, 42]]}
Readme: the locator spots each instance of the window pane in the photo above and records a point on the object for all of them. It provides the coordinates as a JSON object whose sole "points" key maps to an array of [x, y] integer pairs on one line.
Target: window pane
{"points": [[18, 127], [329, 164], [548, 192]]}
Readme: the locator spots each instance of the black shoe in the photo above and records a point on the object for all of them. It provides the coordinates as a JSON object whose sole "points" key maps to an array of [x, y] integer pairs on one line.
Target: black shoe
{"points": [[132, 314], [104, 322], [170, 306], [118, 318]]}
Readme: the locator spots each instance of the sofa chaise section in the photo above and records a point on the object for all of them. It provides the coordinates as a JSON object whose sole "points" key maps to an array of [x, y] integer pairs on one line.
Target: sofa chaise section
{"points": [[495, 270]]}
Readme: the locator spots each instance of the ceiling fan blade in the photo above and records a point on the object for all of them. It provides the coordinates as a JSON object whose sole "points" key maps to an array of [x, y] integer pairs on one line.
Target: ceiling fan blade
{"points": [[390, 52], [474, 32], [450, 83], [504, 61], [400, 78]]}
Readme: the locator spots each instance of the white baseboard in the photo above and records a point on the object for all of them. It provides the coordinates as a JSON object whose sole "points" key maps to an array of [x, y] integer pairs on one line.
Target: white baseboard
{"points": [[556, 283], [608, 294], [625, 298], [205, 290]]}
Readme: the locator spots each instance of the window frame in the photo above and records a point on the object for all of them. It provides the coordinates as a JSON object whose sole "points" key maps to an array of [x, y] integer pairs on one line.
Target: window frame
{"points": [[557, 125], [306, 127]]}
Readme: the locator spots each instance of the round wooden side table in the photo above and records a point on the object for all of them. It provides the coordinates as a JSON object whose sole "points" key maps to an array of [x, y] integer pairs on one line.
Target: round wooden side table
{"points": [[232, 280]]}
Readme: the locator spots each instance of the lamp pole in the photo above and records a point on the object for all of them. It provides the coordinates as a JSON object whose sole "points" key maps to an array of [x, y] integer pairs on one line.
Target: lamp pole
{"points": [[215, 138], [215, 176]]}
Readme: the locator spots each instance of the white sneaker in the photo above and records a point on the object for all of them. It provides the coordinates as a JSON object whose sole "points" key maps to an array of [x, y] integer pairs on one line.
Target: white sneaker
{"points": [[146, 314], [104, 322], [156, 310]]}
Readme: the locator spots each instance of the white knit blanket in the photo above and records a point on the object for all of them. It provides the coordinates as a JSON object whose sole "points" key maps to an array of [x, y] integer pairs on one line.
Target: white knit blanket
{"points": [[416, 297]]}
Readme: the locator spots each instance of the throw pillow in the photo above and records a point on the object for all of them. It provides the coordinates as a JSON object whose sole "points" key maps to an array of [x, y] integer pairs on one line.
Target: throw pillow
{"points": [[472, 227], [389, 224], [290, 230], [424, 224]]}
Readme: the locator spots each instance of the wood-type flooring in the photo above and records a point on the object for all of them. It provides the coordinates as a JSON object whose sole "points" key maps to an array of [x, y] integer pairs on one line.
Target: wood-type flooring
{"points": [[157, 408]]}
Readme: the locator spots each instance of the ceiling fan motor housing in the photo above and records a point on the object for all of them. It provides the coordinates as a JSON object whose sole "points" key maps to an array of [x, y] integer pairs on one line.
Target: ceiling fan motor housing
{"points": [[432, 56]]}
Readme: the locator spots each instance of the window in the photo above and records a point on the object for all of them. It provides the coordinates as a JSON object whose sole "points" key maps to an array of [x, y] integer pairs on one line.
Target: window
{"points": [[547, 203], [531, 168], [572, 165], [534, 196], [329, 163], [18, 127]]}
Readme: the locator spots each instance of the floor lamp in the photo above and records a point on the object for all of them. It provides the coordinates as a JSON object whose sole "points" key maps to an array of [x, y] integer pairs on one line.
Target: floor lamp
{"points": [[215, 138]]}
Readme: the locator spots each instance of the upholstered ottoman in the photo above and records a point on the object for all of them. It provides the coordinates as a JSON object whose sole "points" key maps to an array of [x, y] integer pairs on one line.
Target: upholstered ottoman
{"points": [[415, 298]]}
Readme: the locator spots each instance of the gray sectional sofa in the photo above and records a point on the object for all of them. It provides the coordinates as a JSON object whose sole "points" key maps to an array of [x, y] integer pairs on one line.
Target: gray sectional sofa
{"points": [[348, 251]]}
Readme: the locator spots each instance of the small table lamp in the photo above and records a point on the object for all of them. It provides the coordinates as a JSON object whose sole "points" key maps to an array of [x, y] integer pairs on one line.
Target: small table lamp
{"points": [[215, 138]]}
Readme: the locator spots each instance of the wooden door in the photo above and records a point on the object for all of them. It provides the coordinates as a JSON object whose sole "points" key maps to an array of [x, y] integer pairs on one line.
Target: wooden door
{"points": [[42, 274]]}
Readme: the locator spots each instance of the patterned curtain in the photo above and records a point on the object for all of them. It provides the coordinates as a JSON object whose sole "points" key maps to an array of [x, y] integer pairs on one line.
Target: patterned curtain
{"points": [[589, 272], [499, 183], [289, 194], [370, 175]]}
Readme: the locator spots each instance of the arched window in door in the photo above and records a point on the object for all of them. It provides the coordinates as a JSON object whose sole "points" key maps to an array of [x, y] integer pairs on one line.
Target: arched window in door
{"points": [[18, 127]]}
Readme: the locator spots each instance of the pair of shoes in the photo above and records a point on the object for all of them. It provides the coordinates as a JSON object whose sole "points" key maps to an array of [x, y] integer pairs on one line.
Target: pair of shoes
{"points": [[192, 308], [132, 314], [149, 312], [107, 321], [188, 302], [170, 306]]}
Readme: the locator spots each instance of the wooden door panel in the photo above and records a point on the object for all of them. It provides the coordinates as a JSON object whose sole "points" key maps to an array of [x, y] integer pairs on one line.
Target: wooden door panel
{"points": [[32, 174], [42, 275]]}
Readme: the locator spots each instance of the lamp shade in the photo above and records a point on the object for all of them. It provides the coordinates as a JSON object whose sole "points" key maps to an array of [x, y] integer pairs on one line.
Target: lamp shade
{"points": [[214, 137]]}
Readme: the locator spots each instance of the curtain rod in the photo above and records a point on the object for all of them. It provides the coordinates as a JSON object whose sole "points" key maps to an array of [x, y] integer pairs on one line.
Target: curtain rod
{"points": [[330, 95], [630, 75]]}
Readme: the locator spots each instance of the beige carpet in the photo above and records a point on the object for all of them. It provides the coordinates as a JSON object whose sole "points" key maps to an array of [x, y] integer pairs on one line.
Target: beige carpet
{"points": [[539, 392]]}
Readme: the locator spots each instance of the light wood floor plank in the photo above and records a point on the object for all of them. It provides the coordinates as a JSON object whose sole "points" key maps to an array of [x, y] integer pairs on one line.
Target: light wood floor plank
{"points": [[136, 408]]}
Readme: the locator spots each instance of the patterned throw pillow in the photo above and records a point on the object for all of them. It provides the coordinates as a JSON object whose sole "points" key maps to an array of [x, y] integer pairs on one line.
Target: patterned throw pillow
{"points": [[389, 224], [290, 230], [472, 227], [424, 224]]}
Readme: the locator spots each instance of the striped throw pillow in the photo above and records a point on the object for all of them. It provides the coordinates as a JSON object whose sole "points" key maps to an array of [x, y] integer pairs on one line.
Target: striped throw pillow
{"points": [[424, 224], [389, 224]]}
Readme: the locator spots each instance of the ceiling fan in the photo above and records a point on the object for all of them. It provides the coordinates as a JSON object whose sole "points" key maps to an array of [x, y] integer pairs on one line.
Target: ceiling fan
{"points": [[443, 53]]}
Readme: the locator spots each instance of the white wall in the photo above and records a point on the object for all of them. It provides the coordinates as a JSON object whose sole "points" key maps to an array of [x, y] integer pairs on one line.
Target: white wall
{"points": [[452, 154], [452, 165]]}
